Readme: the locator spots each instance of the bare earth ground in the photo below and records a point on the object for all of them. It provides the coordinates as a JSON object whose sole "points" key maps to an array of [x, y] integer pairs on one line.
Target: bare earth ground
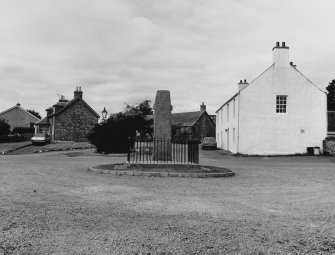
{"points": [[50, 204]]}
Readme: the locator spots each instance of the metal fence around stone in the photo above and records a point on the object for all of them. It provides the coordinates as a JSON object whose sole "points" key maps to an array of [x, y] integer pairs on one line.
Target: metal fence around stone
{"points": [[163, 150]]}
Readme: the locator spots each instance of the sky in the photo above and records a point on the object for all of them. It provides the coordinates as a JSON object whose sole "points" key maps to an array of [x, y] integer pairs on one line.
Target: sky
{"points": [[123, 51]]}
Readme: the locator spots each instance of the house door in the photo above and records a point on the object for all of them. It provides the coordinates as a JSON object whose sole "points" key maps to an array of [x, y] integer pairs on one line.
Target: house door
{"points": [[228, 139]]}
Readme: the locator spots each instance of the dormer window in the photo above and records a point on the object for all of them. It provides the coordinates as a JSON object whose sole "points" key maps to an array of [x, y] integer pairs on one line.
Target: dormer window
{"points": [[281, 104]]}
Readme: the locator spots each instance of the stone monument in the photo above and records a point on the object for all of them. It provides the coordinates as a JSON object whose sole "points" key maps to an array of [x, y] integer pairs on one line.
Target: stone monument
{"points": [[162, 126]]}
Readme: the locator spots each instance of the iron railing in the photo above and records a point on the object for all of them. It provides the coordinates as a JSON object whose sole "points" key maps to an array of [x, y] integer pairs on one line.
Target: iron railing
{"points": [[163, 150]]}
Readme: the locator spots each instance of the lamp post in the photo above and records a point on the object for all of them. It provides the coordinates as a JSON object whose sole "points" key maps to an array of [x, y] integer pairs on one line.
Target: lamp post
{"points": [[104, 114]]}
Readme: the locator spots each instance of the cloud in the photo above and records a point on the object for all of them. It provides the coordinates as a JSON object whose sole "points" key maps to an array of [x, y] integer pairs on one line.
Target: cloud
{"points": [[123, 51]]}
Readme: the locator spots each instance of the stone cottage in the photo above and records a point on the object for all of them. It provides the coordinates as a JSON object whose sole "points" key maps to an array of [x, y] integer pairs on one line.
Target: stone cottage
{"points": [[280, 112], [68, 120], [193, 125]]}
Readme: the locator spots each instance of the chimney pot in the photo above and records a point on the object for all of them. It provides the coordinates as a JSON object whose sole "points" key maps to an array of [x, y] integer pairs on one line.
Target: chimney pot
{"points": [[78, 93], [242, 84], [277, 44], [283, 44]]}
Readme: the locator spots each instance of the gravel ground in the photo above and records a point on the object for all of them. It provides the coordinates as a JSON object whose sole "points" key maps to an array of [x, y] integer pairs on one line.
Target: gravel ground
{"points": [[50, 204]]}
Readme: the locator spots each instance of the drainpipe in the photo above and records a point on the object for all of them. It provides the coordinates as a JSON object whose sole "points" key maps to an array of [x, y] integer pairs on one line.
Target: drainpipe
{"points": [[53, 128], [238, 123]]}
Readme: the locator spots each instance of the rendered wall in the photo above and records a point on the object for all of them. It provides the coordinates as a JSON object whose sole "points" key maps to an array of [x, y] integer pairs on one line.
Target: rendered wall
{"points": [[263, 131], [226, 137], [18, 118]]}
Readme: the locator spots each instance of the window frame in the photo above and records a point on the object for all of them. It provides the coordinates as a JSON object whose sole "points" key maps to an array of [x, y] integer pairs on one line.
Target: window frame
{"points": [[281, 104]]}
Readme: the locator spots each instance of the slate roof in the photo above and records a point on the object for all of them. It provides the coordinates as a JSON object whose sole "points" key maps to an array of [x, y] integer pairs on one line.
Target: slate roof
{"points": [[71, 102], [44, 121], [19, 107], [186, 119]]}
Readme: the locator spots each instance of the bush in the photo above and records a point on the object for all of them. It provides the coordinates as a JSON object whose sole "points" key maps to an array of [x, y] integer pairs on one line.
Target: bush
{"points": [[113, 136], [23, 130], [12, 139], [4, 127]]}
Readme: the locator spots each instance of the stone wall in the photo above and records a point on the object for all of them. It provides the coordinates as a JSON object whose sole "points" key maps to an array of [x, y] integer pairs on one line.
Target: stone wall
{"points": [[329, 147], [74, 123], [203, 128]]}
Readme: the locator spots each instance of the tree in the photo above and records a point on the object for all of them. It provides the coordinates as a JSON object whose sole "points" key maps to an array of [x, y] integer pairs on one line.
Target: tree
{"points": [[112, 136], [36, 114], [143, 108], [4, 127], [331, 96]]}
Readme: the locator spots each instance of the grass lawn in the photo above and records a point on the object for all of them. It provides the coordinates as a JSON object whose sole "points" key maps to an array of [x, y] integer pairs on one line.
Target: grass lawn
{"points": [[50, 204], [11, 146], [55, 145]]}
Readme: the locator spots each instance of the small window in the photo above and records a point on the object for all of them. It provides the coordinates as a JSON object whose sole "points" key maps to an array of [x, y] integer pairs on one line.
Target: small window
{"points": [[234, 108], [281, 104]]}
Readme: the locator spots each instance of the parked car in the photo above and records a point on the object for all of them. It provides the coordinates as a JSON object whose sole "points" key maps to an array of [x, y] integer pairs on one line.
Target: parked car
{"points": [[40, 139], [209, 143]]}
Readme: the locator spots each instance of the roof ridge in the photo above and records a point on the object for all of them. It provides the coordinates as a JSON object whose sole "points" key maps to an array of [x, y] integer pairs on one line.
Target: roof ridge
{"points": [[71, 102], [295, 68], [17, 106]]}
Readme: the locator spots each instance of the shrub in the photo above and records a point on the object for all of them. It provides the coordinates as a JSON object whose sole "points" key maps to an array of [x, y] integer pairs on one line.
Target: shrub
{"points": [[113, 135], [12, 138], [4, 127], [23, 130]]}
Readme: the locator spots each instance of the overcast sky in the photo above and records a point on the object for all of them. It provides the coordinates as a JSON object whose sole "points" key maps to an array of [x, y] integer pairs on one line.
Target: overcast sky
{"points": [[122, 51]]}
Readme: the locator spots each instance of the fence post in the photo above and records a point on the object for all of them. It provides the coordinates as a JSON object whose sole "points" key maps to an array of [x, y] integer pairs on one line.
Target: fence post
{"points": [[193, 151], [129, 148]]}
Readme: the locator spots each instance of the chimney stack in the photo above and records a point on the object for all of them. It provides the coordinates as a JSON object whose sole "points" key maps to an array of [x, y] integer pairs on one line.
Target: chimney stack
{"points": [[78, 92], [242, 84], [203, 107], [281, 55]]}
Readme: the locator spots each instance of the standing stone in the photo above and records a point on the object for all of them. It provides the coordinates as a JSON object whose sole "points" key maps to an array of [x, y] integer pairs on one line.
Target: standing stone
{"points": [[162, 126]]}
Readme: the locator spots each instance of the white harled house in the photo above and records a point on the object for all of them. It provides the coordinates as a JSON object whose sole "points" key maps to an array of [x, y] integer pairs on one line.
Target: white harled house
{"points": [[280, 112]]}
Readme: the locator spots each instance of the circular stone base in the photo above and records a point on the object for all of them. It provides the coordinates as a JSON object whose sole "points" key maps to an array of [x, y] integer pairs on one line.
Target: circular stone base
{"points": [[163, 170]]}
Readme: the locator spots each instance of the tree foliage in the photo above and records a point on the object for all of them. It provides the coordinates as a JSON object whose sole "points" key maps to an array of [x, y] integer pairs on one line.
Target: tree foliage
{"points": [[112, 136], [36, 114], [4, 127], [143, 108], [331, 96]]}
